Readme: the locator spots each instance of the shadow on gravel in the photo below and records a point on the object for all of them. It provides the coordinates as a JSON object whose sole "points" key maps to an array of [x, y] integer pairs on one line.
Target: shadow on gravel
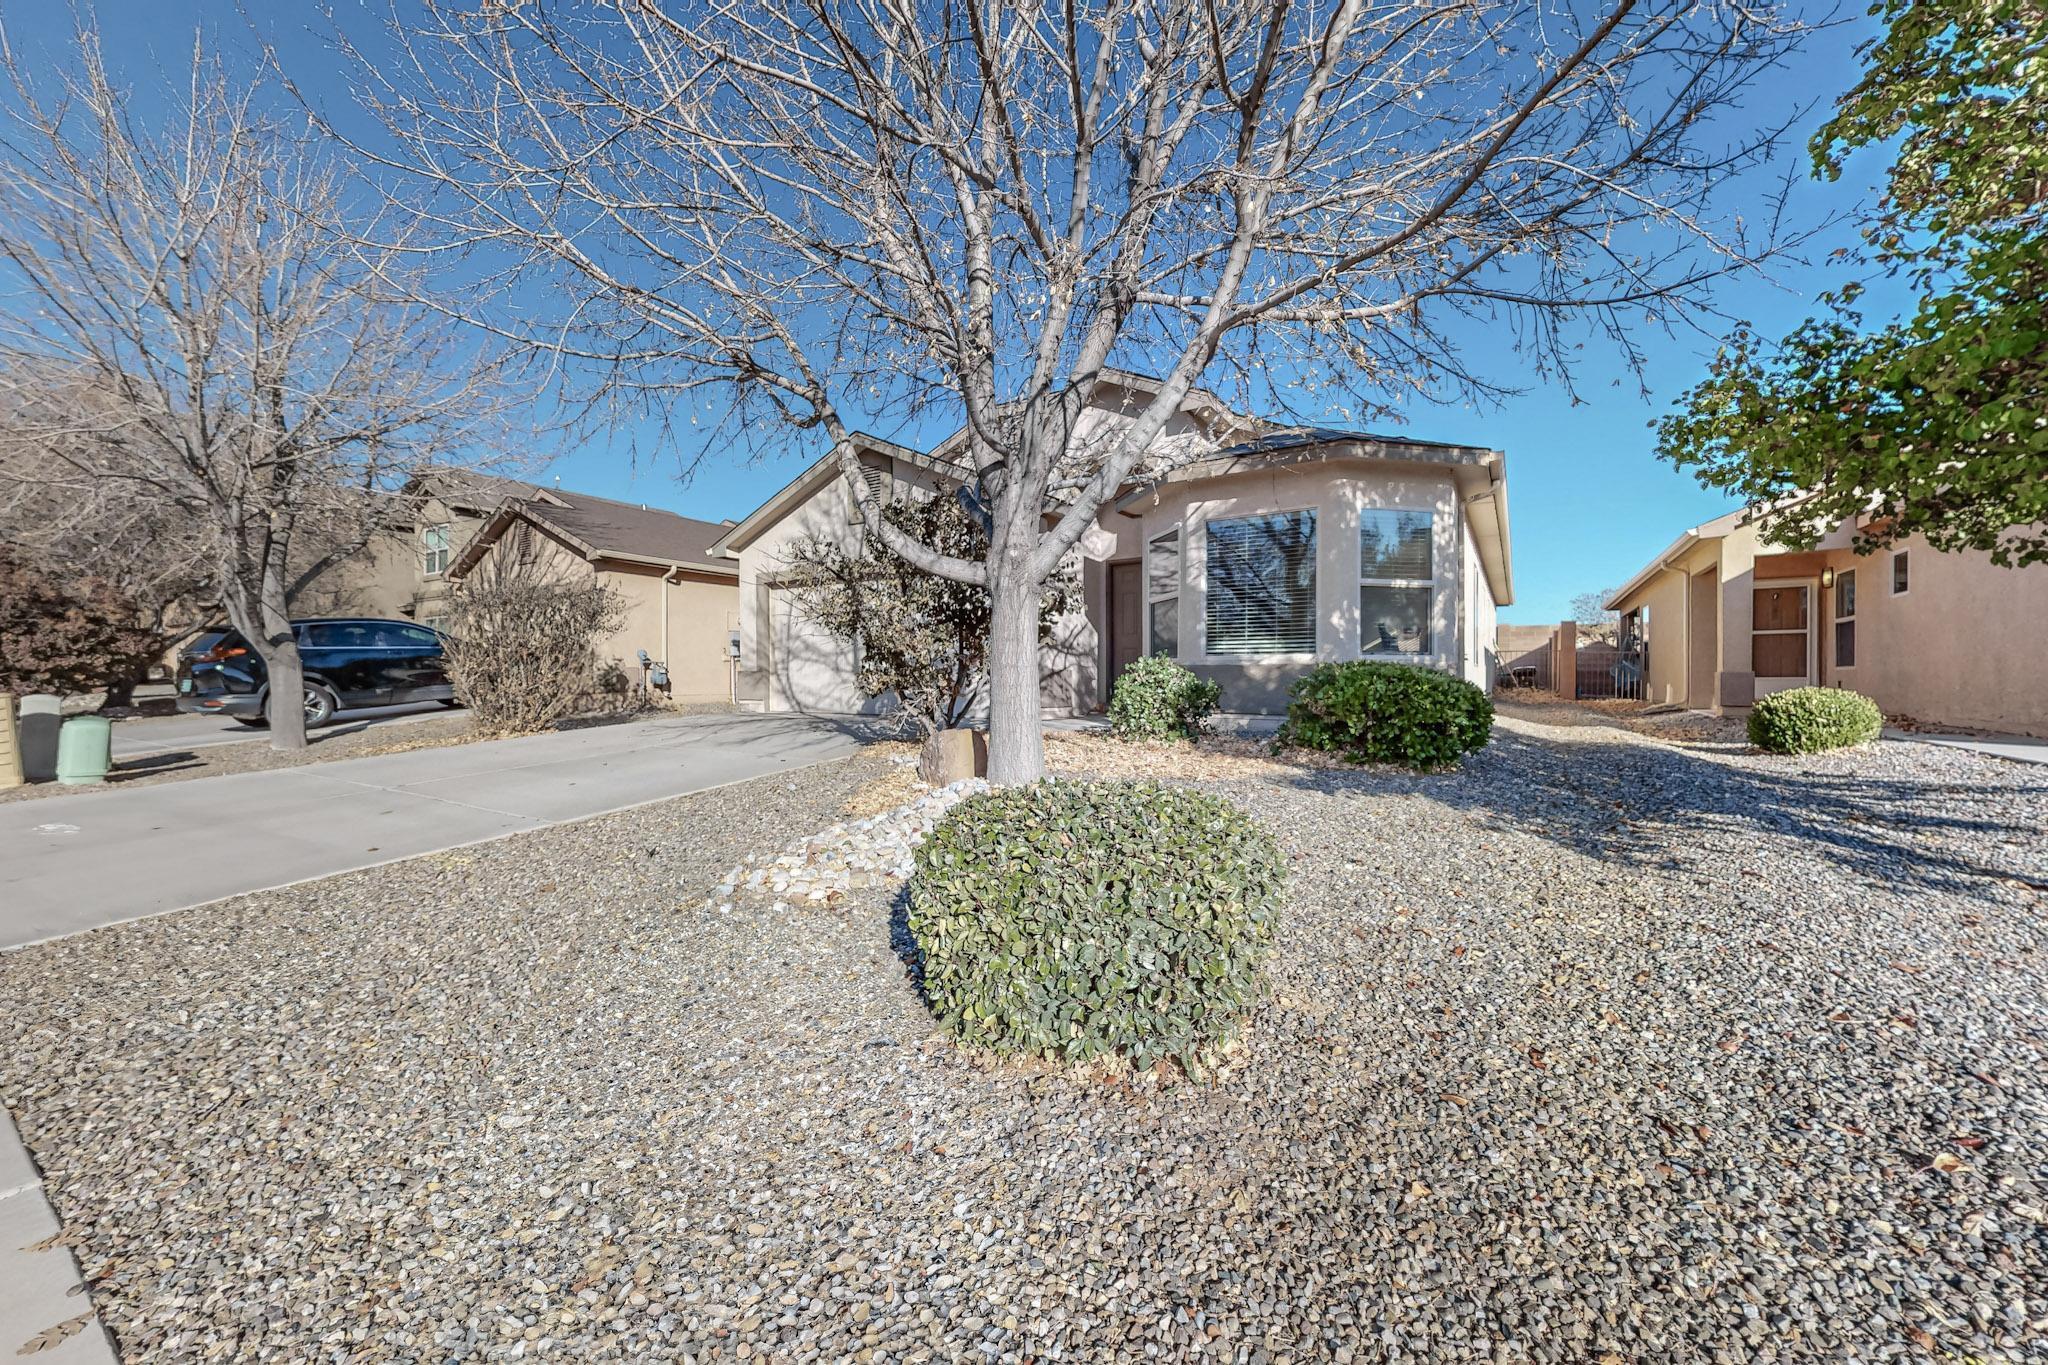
{"points": [[1647, 804]]}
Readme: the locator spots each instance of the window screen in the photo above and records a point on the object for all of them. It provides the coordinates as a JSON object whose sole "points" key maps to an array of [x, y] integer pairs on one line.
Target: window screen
{"points": [[1262, 584]]}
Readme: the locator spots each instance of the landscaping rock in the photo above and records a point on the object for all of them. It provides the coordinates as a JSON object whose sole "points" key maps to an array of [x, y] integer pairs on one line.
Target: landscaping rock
{"points": [[1597, 1048]]}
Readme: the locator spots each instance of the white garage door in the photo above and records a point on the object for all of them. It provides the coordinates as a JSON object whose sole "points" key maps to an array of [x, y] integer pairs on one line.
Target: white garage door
{"points": [[808, 668]]}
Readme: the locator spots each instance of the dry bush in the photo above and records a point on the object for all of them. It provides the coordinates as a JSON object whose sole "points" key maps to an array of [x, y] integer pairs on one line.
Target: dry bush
{"points": [[522, 644]]}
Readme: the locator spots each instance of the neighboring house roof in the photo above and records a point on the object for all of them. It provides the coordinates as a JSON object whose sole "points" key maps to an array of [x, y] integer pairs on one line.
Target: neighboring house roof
{"points": [[605, 528], [472, 490], [1715, 529]]}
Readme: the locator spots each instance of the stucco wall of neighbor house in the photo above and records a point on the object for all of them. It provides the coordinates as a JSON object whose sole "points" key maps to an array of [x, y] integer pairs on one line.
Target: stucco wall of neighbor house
{"points": [[701, 612], [1664, 599], [1965, 646], [430, 593], [1337, 490]]}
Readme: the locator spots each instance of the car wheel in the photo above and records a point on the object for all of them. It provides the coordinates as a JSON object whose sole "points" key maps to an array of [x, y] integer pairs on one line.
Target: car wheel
{"points": [[320, 705]]}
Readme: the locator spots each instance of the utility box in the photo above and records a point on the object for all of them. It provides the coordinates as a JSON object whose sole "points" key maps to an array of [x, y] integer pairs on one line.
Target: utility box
{"points": [[85, 751], [10, 745]]}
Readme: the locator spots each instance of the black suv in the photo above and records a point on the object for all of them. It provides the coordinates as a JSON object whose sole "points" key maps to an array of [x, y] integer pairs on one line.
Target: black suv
{"points": [[349, 661]]}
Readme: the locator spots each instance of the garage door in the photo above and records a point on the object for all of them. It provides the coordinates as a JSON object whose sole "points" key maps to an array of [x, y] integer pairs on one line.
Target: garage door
{"points": [[809, 669]]}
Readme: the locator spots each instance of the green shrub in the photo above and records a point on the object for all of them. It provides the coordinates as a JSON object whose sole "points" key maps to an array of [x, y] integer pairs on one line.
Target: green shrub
{"points": [[1078, 920], [1156, 698], [1806, 720], [1387, 713]]}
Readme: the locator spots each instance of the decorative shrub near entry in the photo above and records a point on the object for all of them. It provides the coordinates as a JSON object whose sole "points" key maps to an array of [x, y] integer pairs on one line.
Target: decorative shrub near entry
{"points": [[1387, 713], [1077, 920], [1156, 698], [1806, 720]]}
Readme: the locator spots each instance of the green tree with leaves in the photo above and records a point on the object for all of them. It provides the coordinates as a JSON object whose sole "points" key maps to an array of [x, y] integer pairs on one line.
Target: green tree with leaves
{"points": [[1935, 424]]}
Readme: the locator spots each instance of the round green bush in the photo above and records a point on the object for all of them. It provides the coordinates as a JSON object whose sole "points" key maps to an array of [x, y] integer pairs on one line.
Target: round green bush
{"points": [[1078, 920], [1387, 713], [1806, 720], [1156, 698]]}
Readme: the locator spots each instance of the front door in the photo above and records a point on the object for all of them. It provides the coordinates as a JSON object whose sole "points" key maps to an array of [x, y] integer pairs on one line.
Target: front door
{"points": [[1780, 637], [1126, 617]]}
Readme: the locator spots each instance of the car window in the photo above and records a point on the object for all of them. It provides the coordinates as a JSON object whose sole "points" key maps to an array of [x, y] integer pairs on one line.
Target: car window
{"points": [[416, 635], [206, 640], [338, 635]]}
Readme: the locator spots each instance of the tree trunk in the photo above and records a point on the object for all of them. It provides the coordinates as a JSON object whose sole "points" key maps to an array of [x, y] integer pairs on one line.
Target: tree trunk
{"points": [[1016, 733], [286, 709]]}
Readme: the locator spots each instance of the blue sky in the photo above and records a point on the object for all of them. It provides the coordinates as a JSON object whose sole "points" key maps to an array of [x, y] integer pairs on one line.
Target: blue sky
{"points": [[1590, 500]]}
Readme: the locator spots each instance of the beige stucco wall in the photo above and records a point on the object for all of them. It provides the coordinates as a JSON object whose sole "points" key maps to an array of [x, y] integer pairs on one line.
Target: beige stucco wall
{"points": [[1965, 646], [686, 622], [1664, 599]]}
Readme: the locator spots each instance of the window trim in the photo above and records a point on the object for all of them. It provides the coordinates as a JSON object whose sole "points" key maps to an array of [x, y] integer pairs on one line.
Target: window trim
{"points": [[1177, 534], [1428, 657], [1843, 578], [1206, 655], [1900, 561]]}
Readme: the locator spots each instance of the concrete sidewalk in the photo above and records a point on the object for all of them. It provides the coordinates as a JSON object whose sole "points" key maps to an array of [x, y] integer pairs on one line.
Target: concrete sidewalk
{"points": [[44, 1312], [69, 864], [2013, 748]]}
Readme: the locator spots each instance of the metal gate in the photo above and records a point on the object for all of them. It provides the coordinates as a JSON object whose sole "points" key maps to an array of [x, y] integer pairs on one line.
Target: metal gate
{"points": [[1612, 673]]}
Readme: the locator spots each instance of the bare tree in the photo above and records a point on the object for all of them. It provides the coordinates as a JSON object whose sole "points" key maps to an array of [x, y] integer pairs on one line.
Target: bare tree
{"points": [[522, 641], [819, 211], [1595, 621], [193, 343]]}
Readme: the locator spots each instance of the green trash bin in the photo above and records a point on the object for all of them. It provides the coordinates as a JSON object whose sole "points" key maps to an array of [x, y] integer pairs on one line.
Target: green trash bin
{"points": [[85, 751]]}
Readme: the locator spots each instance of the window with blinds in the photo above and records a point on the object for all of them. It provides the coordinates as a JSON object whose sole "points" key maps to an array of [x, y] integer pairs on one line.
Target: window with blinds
{"points": [[1397, 580], [1262, 584]]}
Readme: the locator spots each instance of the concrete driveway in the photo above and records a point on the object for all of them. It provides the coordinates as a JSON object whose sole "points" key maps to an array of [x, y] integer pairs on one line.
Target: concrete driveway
{"points": [[71, 863], [141, 735]]}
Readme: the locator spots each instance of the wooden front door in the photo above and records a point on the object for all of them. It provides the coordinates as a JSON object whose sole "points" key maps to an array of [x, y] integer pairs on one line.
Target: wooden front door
{"points": [[1126, 619], [1780, 637]]}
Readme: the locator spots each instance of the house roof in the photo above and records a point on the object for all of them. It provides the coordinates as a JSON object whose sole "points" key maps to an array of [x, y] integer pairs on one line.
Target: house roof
{"points": [[1714, 529], [605, 528], [1482, 486], [474, 490]]}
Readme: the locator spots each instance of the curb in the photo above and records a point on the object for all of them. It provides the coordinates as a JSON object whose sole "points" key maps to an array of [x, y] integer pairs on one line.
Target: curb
{"points": [[45, 1312]]}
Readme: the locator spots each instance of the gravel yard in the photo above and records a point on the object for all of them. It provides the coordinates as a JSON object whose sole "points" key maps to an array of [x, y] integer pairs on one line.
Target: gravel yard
{"points": [[1600, 1048]]}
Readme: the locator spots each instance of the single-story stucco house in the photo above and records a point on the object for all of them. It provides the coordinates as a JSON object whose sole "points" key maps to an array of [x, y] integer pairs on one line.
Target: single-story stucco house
{"points": [[1945, 639], [681, 600], [1269, 550]]}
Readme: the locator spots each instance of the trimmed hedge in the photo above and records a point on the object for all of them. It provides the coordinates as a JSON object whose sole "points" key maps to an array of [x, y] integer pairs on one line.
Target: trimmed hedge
{"points": [[1156, 698], [1078, 920], [1387, 713], [1806, 720]]}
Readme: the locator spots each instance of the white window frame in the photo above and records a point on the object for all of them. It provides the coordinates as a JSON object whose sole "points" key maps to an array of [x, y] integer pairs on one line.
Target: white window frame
{"points": [[428, 550], [1152, 599], [1898, 558], [1253, 513], [1430, 656]]}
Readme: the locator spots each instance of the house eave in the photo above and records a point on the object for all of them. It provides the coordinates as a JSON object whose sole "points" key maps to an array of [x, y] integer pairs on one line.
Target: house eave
{"points": [[815, 476]]}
